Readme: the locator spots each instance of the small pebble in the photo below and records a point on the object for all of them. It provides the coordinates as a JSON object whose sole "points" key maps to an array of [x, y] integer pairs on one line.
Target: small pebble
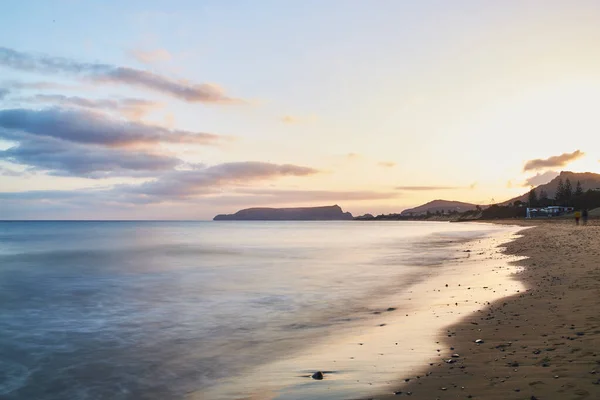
{"points": [[317, 375]]}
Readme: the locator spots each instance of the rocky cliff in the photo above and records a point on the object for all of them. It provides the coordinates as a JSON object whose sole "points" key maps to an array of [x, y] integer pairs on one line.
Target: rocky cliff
{"points": [[327, 213]]}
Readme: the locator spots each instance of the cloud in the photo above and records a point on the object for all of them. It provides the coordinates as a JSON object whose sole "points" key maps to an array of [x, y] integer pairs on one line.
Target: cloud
{"points": [[205, 180], [151, 56], [353, 156], [552, 162], [473, 185], [11, 172], [65, 158], [131, 108], [288, 119], [3, 93], [169, 120], [287, 196], [386, 164], [86, 144], [93, 128], [191, 185], [106, 73], [426, 188], [540, 178], [294, 119], [16, 85], [47, 194]]}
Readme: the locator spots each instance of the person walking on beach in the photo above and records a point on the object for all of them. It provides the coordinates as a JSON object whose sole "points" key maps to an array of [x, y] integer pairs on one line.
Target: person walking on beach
{"points": [[585, 215], [577, 216]]}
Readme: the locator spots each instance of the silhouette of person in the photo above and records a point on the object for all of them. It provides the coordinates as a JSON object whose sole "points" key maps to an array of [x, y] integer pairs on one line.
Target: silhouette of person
{"points": [[584, 214], [577, 216]]}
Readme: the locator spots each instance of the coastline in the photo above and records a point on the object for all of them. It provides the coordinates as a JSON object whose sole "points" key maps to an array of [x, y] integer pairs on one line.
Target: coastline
{"points": [[397, 333], [542, 343]]}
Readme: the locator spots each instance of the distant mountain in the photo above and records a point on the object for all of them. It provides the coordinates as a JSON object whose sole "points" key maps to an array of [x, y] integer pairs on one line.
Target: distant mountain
{"points": [[327, 213], [439, 205], [589, 180], [365, 217]]}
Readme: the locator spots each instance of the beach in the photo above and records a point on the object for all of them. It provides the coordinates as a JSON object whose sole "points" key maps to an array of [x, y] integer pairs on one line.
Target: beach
{"points": [[228, 311], [234, 310], [541, 343], [396, 333]]}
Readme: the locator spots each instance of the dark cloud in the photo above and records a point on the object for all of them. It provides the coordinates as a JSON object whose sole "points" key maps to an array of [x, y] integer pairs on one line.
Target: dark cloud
{"points": [[552, 162], [426, 188], [3, 93], [540, 178], [59, 157], [91, 145], [106, 73], [130, 107], [93, 128]]}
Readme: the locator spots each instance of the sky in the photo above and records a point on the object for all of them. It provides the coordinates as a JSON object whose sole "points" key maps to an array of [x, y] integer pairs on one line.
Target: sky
{"points": [[187, 109]]}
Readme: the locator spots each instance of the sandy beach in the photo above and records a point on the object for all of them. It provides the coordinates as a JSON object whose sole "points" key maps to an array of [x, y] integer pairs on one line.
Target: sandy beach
{"points": [[395, 334], [541, 343]]}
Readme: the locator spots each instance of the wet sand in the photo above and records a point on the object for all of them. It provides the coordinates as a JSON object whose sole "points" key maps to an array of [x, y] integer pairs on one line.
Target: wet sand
{"points": [[541, 343], [395, 335]]}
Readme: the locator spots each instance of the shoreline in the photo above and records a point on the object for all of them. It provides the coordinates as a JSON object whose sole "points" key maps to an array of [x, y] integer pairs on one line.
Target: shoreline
{"points": [[542, 343], [398, 332]]}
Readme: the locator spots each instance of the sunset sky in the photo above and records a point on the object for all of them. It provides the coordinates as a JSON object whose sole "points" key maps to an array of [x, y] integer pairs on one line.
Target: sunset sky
{"points": [[186, 109]]}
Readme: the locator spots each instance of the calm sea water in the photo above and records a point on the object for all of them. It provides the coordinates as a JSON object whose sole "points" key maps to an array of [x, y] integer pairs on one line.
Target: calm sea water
{"points": [[157, 310]]}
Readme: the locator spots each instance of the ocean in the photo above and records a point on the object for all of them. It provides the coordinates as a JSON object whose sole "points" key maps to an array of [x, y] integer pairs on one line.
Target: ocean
{"points": [[177, 310]]}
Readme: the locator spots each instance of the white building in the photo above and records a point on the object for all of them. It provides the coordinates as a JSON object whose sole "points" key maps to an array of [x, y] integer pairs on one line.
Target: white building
{"points": [[551, 211]]}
